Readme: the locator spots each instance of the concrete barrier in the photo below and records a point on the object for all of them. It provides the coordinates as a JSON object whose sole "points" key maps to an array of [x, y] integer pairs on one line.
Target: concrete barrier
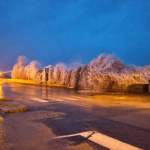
{"points": [[9, 106], [4, 99], [139, 88]]}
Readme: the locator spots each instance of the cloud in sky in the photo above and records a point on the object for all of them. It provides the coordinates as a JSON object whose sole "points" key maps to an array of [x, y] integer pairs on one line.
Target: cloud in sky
{"points": [[52, 31]]}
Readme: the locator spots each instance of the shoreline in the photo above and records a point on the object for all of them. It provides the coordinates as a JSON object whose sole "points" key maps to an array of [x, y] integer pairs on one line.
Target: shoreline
{"points": [[17, 81], [31, 82]]}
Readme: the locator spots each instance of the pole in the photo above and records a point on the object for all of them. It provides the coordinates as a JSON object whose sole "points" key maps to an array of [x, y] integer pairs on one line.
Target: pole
{"points": [[149, 86], [46, 77]]}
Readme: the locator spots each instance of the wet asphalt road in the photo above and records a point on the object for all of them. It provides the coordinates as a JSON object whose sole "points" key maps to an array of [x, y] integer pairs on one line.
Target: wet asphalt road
{"points": [[65, 113]]}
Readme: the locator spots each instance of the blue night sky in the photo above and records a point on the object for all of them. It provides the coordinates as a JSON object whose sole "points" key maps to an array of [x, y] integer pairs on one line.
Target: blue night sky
{"points": [[53, 31]]}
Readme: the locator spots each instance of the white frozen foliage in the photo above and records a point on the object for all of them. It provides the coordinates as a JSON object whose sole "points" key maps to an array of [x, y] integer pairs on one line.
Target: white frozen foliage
{"points": [[105, 73]]}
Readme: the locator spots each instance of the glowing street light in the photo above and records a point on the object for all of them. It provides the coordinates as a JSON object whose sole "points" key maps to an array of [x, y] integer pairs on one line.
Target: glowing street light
{"points": [[1, 74], [5, 74]]}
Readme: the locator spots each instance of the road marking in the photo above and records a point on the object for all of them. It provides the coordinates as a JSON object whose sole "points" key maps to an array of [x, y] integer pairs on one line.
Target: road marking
{"points": [[103, 140], [84, 134], [40, 100]]}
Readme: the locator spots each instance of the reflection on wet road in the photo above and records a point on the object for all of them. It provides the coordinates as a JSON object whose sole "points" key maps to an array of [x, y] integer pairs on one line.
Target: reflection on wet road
{"points": [[1, 130], [55, 112], [19, 90], [1, 90]]}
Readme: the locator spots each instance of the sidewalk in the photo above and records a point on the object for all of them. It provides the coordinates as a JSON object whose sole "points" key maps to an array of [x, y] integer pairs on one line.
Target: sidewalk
{"points": [[11, 106]]}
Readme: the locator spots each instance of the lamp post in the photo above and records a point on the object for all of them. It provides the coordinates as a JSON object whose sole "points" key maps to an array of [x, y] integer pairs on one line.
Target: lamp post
{"points": [[149, 86], [46, 77], [46, 74]]}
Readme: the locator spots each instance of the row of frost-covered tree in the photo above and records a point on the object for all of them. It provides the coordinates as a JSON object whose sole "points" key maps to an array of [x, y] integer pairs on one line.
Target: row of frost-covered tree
{"points": [[105, 73]]}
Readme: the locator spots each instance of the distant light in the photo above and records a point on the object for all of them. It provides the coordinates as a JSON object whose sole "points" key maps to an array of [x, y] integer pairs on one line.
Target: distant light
{"points": [[1, 74]]}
